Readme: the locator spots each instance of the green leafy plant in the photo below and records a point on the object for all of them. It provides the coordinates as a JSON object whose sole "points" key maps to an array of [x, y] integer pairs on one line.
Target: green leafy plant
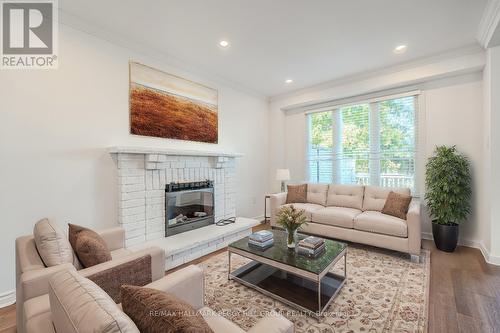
{"points": [[291, 219], [448, 183]]}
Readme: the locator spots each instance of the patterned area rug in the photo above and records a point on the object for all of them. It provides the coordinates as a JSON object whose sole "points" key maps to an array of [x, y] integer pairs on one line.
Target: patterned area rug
{"points": [[384, 292]]}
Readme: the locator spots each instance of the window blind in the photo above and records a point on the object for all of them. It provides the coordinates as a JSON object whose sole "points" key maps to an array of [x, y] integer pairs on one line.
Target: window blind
{"points": [[367, 143]]}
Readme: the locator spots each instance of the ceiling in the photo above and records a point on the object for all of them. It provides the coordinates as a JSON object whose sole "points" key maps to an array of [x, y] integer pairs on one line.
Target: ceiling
{"points": [[272, 40]]}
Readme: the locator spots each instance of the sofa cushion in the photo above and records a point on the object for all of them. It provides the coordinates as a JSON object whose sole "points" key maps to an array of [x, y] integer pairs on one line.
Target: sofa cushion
{"points": [[316, 193], [79, 305], [397, 205], [338, 216], [156, 311], [52, 244], [296, 193], [350, 196], [375, 196], [377, 222], [89, 246], [218, 323], [308, 208]]}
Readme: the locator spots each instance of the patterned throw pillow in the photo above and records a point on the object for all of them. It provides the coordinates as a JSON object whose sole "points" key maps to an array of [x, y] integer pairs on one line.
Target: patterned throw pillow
{"points": [[90, 248], [296, 194], [155, 311], [397, 205]]}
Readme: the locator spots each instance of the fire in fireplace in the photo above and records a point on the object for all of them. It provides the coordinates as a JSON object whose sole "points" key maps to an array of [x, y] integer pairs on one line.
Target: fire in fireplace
{"points": [[188, 206]]}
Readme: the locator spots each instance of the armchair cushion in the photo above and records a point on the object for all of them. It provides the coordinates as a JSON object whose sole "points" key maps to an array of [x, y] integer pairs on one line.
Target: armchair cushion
{"points": [[51, 243], [79, 305], [90, 248], [155, 311], [275, 323]]}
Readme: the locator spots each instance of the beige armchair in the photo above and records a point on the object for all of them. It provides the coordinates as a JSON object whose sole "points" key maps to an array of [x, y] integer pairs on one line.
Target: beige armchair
{"points": [[57, 312], [32, 276]]}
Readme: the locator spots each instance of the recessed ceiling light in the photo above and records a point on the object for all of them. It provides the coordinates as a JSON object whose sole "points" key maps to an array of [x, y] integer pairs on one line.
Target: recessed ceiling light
{"points": [[224, 43], [400, 49], [288, 81]]}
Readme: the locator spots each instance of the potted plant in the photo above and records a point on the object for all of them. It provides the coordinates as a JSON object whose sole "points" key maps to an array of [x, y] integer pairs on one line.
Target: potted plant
{"points": [[448, 184], [291, 219]]}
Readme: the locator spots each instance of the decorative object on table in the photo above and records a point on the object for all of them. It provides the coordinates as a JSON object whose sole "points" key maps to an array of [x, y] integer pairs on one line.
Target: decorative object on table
{"points": [[311, 246], [262, 239], [448, 184], [296, 194], [167, 106], [283, 175], [291, 219]]}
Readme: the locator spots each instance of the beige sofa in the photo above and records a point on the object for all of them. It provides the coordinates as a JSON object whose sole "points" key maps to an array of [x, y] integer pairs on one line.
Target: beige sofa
{"points": [[32, 276], [353, 213], [94, 311]]}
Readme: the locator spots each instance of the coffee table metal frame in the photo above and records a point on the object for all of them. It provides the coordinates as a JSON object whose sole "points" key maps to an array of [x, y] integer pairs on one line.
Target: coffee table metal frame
{"points": [[316, 278]]}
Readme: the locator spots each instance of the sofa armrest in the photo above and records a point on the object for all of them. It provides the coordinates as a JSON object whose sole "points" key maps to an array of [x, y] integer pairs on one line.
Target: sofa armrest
{"points": [[274, 323], [114, 237], [35, 283], [157, 263], [187, 283], [276, 201], [414, 228]]}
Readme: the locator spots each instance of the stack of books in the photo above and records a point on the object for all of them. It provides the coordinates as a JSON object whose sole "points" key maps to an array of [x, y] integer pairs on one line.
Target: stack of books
{"points": [[311, 246], [261, 239]]}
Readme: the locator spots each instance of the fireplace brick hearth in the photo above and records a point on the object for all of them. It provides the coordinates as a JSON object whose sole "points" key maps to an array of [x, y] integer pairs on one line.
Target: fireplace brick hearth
{"points": [[143, 173]]}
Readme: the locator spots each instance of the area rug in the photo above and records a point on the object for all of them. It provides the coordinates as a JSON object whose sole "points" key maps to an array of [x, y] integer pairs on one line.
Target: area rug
{"points": [[384, 292]]}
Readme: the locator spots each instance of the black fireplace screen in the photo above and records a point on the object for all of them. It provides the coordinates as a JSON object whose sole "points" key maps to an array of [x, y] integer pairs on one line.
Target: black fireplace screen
{"points": [[188, 206]]}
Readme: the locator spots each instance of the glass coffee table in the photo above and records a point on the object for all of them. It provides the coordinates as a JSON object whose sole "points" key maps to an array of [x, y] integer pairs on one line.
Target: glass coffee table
{"points": [[297, 280]]}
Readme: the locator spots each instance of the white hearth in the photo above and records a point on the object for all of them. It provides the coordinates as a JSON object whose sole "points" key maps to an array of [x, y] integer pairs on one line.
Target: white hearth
{"points": [[143, 173]]}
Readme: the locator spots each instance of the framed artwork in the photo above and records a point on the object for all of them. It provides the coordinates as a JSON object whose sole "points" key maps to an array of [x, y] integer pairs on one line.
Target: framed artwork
{"points": [[167, 106]]}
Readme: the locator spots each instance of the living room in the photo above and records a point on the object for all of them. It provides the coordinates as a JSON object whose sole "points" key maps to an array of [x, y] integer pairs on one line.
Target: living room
{"points": [[250, 166]]}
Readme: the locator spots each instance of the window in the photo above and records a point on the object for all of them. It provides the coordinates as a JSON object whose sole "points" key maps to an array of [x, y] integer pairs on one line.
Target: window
{"points": [[371, 143]]}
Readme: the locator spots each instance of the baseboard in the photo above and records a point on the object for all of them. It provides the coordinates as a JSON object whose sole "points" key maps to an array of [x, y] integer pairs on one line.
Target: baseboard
{"points": [[490, 259], [7, 298]]}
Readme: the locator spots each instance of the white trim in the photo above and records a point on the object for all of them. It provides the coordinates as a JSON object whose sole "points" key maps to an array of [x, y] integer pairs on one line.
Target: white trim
{"points": [[7, 298], [489, 22], [360, 99], [169, 151], [490, 259]]}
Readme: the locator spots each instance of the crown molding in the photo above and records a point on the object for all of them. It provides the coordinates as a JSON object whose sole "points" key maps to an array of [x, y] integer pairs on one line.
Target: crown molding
{"points": [[489, 22], [84, 26], [465, 53]]}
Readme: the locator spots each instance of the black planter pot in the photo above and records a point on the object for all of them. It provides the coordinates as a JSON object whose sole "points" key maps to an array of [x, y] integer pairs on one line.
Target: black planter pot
{"points": [[445, 236]]}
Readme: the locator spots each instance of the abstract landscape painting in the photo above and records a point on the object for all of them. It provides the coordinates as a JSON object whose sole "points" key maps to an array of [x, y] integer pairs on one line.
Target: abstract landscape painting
{"points": [[166, 106]]}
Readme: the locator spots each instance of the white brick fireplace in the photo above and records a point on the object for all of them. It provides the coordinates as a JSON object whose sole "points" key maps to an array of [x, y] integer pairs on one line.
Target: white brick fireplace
{"points": [[143, 173]]}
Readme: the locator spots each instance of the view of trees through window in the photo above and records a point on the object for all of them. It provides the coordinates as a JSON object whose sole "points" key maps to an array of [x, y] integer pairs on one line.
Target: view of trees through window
{"points": [[369, 143]]}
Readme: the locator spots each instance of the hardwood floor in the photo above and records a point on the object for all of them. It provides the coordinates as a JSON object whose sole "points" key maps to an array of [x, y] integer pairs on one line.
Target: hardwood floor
{"points": [[464, 292]]}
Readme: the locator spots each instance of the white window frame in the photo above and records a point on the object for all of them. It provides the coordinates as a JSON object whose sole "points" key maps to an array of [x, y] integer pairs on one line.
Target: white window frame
{"points": [[374, 163]]}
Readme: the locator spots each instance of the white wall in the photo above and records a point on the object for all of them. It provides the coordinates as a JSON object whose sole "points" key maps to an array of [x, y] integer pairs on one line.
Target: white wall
{"points": [[452, 115], [55, 127]]}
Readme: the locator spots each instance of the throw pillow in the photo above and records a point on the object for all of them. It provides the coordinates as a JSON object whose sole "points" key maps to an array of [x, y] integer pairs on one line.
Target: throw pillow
{"points": [[90, 248], [51, 243], [155, 311], [296, 194], [397, 205]]}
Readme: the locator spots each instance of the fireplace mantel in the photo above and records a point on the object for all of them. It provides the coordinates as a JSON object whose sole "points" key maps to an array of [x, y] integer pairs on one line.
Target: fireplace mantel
{"points": [[169, 151], [143, 173]]}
